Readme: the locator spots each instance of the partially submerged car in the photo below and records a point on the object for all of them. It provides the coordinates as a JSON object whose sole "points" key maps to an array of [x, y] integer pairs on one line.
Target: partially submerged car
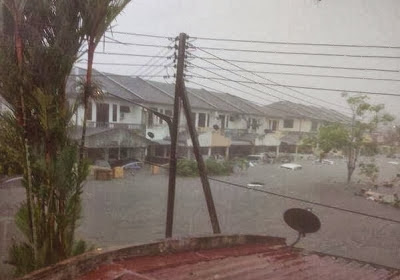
{"points": [[291, 166], [135, 165]]}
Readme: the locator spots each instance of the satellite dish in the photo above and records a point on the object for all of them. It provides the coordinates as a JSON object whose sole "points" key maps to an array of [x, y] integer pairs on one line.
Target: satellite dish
{"points": [[215, 126], [150, 134], [301, 220]]}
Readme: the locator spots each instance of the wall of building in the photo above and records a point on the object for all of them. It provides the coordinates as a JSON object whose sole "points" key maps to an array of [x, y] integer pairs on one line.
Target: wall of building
{"points": [[133, 117], [299, 125]]}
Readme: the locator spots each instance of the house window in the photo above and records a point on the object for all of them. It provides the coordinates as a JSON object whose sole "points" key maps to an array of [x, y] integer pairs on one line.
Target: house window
{"points": [[254, 124], [273, 125], [314, 126], [288, 123], [114, 112], [202, 120], [168, 113], [150, 119], [122, 111], [160, 121], [222, 119], [89, 111], [102, 113], [194, 119]]}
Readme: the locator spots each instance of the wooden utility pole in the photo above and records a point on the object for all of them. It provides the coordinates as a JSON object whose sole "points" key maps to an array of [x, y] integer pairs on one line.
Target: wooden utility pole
{"points": [[200, 164], [180, 94], [174, 136]]}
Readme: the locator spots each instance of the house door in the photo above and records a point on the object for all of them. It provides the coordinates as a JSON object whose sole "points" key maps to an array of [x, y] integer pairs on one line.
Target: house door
{"points": [[274, 125], [222, 118], [102, 114]]}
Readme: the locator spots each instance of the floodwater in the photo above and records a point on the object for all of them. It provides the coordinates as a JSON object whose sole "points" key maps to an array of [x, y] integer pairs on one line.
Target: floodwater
{"points": [[133, 209]]}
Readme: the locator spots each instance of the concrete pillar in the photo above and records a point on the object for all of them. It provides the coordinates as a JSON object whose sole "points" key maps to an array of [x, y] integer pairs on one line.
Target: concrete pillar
{"points": [[106, 154], [189, 154], [110, 112], [277, 150], [297, 149], [209, 152], [165, 151], [119, 152], [227, 153]]}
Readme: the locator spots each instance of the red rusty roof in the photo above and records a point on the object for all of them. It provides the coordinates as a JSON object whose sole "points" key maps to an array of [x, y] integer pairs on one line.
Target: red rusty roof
{"points": [[270, 260]]}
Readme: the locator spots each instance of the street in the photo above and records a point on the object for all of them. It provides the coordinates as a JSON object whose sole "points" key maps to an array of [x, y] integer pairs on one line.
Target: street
{"points": [[132, 210]]}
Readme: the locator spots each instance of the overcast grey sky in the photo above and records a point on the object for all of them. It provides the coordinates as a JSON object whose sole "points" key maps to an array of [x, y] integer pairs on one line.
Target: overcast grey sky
{"points": [[365, 22]]}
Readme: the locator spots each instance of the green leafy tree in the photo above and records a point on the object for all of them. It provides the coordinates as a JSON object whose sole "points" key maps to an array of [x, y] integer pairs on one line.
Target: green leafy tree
{"points": [[352, 136], [365, 119]]}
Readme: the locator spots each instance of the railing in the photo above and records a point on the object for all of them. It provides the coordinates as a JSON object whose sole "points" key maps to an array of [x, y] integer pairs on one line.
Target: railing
{"points": [[132, 126]]}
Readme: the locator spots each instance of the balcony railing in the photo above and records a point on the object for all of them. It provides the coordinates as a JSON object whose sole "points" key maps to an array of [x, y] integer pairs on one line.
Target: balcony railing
{"points": [[133, 126]]}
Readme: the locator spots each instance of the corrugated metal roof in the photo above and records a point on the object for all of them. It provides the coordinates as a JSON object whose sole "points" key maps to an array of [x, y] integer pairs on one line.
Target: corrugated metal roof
{"points": [[270, 260], [144, 91], [287, 109]]}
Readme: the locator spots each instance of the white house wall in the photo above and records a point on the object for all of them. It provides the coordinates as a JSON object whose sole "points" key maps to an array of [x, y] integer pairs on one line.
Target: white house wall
{"points": [[267, 140], [133, 117], [299, 125]]}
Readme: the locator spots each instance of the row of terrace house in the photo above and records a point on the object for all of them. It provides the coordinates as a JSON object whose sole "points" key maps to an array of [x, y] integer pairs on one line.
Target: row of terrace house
{"points": [[228, 126]]}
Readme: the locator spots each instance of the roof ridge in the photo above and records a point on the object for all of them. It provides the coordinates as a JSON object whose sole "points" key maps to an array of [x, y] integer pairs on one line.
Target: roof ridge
{"points": [[156, 87], [199, 97], [119, 84], [223, 100]]}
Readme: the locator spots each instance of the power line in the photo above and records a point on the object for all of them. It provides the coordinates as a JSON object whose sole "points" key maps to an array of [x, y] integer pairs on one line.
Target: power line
{"points": [[247, 82], [140, 34], [306, 75], [300, 53], [113, 41], [259, 76], [302, 65], [132, 54], [118, 75], [293, 198], [249, 78], [152, 61], [248, 93], [286, 112], [301, 87], [126, 64], [222, 99], [306, 201], [159, 71], [297, 43]]}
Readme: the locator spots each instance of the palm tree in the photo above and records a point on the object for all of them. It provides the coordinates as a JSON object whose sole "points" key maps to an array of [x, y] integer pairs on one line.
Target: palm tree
{"points": [[16, 9], [97, 16], [33, 81]]}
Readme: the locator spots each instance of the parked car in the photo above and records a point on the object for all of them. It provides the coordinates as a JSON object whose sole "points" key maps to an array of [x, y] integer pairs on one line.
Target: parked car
{"points": [[122, 162], [255, 159], [135, 165], [291, 166]]}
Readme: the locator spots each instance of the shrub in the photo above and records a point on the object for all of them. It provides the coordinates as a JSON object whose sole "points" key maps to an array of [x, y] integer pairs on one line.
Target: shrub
{"points": [[370, 171], [218, 168], [188, 168]]}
